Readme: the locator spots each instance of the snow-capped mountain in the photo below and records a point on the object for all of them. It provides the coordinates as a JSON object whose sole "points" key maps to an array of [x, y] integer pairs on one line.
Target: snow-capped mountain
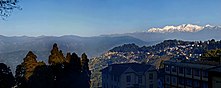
{"points": [[181, 28]]}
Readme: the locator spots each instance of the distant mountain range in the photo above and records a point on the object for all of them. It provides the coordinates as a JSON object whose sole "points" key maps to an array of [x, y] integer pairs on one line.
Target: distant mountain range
{"points": [[187, 32], [14, 49], [179, 28]]}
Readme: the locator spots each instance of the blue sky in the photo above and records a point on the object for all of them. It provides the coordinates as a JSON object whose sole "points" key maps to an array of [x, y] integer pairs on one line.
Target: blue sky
{"points": [[97, 17]]}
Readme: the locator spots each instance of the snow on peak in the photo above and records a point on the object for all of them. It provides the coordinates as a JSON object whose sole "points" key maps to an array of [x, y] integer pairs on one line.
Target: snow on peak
{"points": [[208, 25], [179, 28]]}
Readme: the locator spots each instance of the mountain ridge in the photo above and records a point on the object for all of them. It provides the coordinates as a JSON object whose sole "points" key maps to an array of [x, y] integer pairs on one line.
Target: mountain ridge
{"points": [[180, 28]]}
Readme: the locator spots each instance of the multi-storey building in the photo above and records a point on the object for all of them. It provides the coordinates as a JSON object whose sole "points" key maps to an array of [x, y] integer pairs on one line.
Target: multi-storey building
{"points": [[129, 75], [186, 75], [214, 79]]}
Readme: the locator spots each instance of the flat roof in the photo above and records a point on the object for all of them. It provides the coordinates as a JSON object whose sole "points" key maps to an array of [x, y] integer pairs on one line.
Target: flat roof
{"points": [[190, 65]]}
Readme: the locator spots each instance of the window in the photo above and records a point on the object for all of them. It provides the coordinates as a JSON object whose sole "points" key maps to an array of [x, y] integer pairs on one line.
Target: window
{"points": [[188, 71], [167, 86], [167, 68], [173, 68], [107, 76], [151, 86], [128, 78], [115, 78], [196, 72], [140, 79], [189, 82], [151, 76], [181, 70], [181, 81], [174, 80], [167, 79], [196, 84], [205, 74], [205, 85]]}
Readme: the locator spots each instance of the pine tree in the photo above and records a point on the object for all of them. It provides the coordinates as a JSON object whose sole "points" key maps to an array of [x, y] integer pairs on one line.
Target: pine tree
{"points": [[56, 56], [21, 82], [29, 63], [75, 61], [86, 74], [68, 57], [84, 63], [6, 78]]}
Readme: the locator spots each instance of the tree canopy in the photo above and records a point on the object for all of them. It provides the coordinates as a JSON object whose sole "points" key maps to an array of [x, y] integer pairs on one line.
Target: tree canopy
{"points": [[212, 55], [62, 72], [6, 78], [7, 6]]}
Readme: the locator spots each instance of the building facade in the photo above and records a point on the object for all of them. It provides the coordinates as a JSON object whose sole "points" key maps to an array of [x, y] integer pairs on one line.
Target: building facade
{"points": [[214, 79], [185, 75], [129, 75]]}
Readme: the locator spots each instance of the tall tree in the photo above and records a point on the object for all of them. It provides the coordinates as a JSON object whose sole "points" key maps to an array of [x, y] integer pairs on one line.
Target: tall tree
{"points": [[21, 81], [42, 77], [76, 62], [26, 69], [6, 78], [68, 57], [56, 56], [86, 73], [84, 63], [30, 63]]}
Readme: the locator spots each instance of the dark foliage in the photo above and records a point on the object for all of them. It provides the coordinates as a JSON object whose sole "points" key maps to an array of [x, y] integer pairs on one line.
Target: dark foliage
{"points": [[212, 55], [21, 82], [62, 72], [6, 78], [7, 6], [43, 77]]}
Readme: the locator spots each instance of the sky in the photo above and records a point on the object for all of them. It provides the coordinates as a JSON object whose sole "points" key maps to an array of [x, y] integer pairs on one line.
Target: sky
{"points": [[101, 17]]}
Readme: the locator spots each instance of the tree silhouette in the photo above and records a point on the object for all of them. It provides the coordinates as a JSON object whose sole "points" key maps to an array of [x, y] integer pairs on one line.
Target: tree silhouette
{"points": [[26, 69], [30, 63], [71, 72], [6, 78], [75, 62], [85, 70], [21, 81], [56, 56], [62, 72], [42, 77], [68, 57]]}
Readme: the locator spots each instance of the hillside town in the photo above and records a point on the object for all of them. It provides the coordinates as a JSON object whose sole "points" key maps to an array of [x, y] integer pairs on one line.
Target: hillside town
{"points": [[168, 50]]}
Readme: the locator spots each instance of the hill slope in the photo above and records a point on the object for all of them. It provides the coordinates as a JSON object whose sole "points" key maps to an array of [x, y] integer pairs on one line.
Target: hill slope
{"points": [[14, 49]]}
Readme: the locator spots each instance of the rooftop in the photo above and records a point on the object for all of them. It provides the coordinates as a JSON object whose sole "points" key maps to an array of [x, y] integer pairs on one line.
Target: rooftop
{"points": [[198, 65]]}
